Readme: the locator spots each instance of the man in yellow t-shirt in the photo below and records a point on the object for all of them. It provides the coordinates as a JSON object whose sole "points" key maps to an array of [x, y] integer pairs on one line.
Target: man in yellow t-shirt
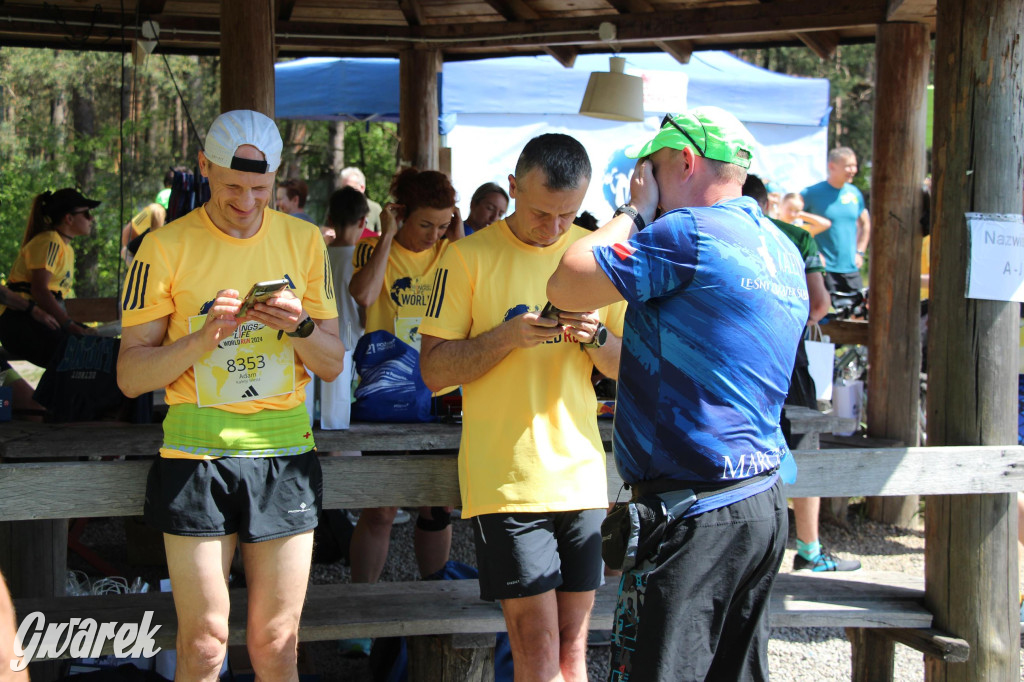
{"points": [[531, 461], [238, 460]]}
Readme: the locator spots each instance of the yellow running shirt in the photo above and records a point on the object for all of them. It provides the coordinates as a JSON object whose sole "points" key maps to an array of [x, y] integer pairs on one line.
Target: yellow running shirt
{"points": [[530, 441], [46, 251], [408, 283], [177, 273]]}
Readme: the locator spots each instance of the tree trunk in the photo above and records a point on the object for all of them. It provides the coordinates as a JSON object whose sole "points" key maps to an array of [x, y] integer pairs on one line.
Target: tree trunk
{"points": [[898, 168], [970, 551], [87, 251], [59, 120], [337, 136]]}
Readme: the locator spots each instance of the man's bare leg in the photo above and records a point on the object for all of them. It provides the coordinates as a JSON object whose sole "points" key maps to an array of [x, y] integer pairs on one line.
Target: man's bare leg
{"points": [[368, 549], [573, 624], [548, 634], [277, 572], [534, 637], [198, 568]]}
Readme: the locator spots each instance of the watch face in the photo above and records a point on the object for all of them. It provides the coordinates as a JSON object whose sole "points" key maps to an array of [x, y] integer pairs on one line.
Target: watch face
{"points": [[602, 335]]}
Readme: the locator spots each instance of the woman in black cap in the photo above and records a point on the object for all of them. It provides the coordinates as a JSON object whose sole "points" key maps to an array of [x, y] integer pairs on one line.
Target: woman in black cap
{"points": [[43, 274]]}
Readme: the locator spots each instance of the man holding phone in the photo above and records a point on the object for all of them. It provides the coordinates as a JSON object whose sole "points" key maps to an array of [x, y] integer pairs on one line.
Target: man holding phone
{"points": [[238, 461], [531, 461]]}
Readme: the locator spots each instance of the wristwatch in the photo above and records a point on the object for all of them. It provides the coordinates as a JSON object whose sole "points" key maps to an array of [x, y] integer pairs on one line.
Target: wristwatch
{"points": [[600, 337], [304, 328], [638, 219]]}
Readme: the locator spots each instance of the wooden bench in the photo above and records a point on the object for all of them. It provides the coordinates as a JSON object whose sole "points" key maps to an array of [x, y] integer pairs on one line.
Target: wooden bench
{"points": [[882, 603]]}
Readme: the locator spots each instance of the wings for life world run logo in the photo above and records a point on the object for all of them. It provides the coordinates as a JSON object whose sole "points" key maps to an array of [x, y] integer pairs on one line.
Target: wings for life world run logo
{"points": [[405, 292], [617, 174]]}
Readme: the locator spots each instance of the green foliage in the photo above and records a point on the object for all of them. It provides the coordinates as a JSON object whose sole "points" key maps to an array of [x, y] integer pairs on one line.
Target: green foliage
{"points": [[851, 73], [371, 146], [61, 126]]}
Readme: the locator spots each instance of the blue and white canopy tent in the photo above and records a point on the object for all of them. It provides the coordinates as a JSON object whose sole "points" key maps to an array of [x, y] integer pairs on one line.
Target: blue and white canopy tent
{"points": [[491, 107]]}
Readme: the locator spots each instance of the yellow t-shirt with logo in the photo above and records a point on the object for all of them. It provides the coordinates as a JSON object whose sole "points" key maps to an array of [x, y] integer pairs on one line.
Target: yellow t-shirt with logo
{"points": [[408, 284], [180, 268], [530, 441], [46, 251]]}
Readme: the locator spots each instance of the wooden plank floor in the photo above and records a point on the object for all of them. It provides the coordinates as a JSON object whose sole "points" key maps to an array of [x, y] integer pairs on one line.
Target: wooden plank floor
{"points": [[863, 599]]}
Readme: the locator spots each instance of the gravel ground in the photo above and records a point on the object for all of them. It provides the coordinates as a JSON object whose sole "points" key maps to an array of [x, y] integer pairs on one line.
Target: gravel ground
{"points": [[796, 654]]}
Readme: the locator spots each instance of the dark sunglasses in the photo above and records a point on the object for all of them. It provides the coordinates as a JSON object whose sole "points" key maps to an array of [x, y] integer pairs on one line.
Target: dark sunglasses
{"points": [[86, 213], [670, 119]]}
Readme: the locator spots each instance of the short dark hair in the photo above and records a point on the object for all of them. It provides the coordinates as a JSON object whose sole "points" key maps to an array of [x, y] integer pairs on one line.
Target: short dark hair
{"points": [[755, 189], [562, 158], [485, 189], [347, 206], [296, 188]]}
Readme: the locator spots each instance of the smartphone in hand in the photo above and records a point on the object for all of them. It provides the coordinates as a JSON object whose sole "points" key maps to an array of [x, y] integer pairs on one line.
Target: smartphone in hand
{"points": [[259, 293], [550, 312]]}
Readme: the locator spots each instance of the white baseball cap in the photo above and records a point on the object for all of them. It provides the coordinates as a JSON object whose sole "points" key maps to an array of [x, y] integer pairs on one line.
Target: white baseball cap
{"points": [[233, 129]]}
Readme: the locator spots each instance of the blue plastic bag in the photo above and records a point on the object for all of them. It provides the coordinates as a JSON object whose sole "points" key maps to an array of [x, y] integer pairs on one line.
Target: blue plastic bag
{"points": [[390, 386]]}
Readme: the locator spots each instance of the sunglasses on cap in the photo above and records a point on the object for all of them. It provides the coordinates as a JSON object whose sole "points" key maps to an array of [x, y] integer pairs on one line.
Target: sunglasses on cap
{"points": [[669, 118]]}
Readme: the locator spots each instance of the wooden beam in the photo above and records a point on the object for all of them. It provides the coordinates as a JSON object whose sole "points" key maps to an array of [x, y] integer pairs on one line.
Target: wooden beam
{"points": [[412, 12], [285, 9], [681, 50], [797, 15], [418, 109], [897, 203], [970, 541], [247, 55], [821, 43], [910, 10], [517, 10], [932, 643], [872, 599], [88, 489], [151, 8], [735, 21]]}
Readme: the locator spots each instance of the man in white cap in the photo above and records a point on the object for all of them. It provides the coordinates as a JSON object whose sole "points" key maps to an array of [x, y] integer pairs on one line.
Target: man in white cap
{"points": [[238, 461], [717, 304]]}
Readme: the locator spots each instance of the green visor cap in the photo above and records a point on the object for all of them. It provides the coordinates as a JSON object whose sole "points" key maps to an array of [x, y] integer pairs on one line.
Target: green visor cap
{"points": [[713, 133]]}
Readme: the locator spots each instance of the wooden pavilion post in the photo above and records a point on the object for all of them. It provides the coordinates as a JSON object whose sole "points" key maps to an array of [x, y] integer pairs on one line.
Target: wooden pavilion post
{"points": [[898, 169], [970, 551], [418, 109], [247, 55]]}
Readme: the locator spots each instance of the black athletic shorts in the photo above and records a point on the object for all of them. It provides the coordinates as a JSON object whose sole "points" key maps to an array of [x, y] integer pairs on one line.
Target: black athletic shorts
{"points": [[523, 555], [843, 282], [259, 498], [698, 608]]}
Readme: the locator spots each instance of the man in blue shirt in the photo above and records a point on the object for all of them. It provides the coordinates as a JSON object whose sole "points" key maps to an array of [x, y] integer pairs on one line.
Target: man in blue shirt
{"points": [[845, 243], [717, 303]]}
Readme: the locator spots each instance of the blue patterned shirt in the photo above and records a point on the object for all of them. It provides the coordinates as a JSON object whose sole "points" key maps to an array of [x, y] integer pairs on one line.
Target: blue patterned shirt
{"points": [[717, 304]]}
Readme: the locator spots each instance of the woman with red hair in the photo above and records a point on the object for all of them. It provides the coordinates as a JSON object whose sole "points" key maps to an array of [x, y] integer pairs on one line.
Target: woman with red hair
{"points": [[393, 281]]}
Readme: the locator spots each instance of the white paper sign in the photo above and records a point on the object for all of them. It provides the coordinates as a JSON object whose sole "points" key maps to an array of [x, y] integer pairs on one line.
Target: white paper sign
{"points": [[996, 266]]}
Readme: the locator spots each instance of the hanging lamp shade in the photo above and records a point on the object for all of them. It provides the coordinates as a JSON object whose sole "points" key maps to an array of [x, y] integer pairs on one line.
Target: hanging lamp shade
{"points": [[614, 95]]}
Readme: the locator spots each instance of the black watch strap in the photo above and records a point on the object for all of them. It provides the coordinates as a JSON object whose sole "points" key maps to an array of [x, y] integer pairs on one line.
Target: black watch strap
{"points": [[638, 219], [304, 328], [600, 337]]}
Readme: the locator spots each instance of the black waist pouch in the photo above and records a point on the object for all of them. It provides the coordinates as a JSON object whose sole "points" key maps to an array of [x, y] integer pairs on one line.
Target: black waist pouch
{"points": [[632, 532]]}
